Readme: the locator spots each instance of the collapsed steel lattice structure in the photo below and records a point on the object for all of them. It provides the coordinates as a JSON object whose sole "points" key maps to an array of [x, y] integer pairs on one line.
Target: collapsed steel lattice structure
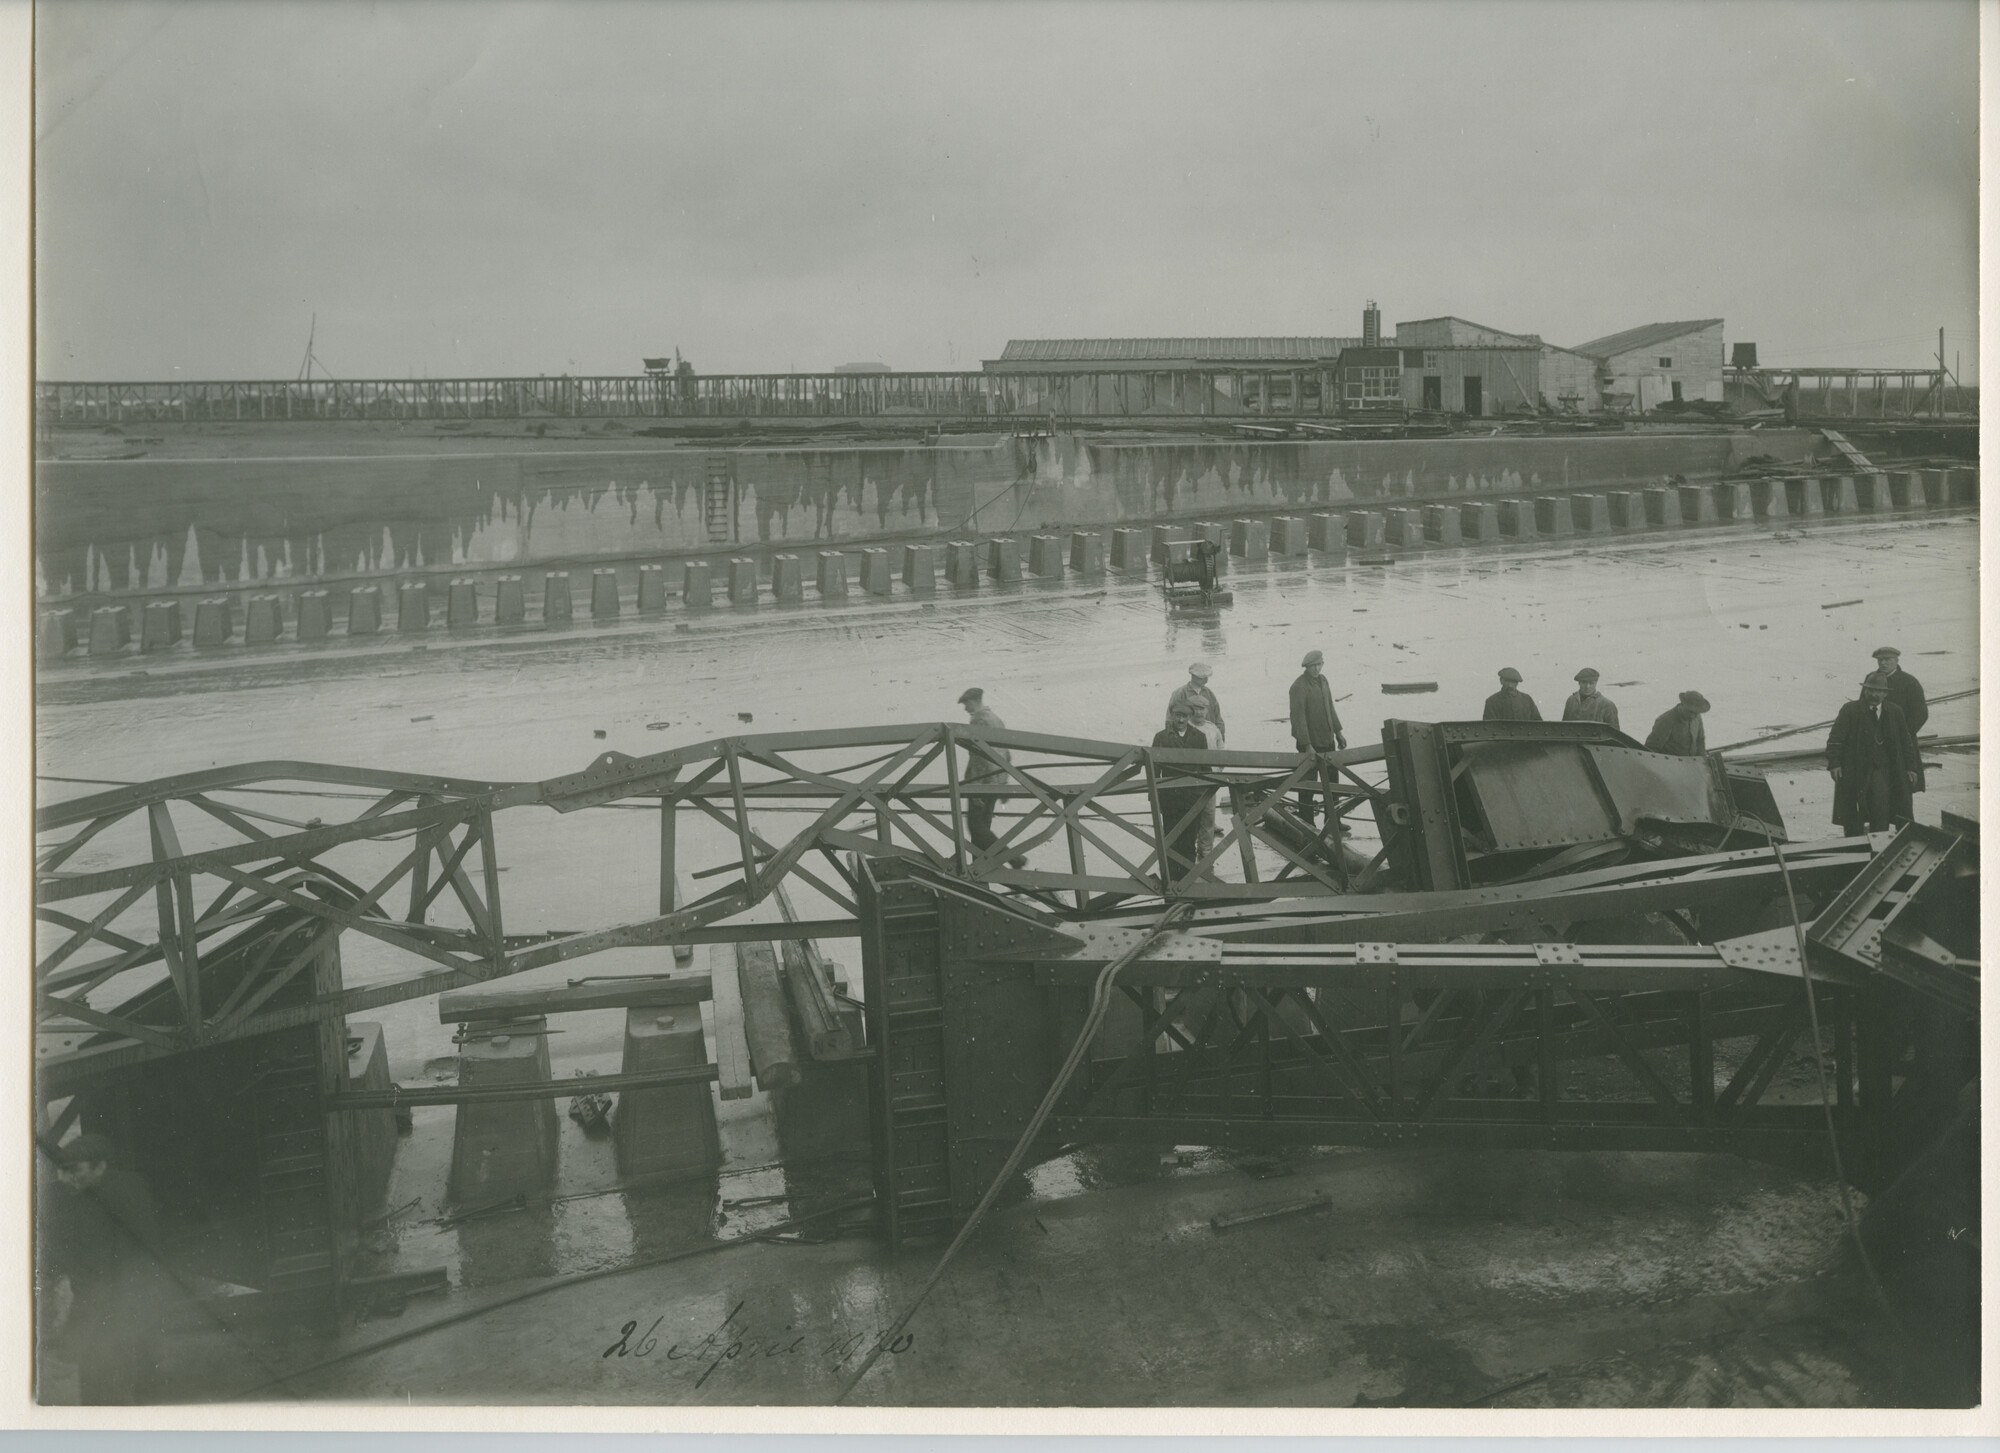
{"points": [[1545, 896]]}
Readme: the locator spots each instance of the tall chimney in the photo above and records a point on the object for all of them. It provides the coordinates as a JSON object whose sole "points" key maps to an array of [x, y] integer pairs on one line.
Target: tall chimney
{"points": [[1371, 326]]}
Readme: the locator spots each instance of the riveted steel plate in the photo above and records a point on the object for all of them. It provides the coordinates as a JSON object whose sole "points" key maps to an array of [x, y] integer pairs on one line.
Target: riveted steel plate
{"points": [[1558, 953]]}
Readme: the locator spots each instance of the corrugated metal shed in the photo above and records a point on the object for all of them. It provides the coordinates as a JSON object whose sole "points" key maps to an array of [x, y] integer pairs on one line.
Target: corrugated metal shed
{"points": [[1648, 335], [1173, 350]]}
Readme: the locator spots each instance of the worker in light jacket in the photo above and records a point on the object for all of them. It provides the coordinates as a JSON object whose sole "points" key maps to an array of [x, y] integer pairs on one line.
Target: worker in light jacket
{"points": [[1587, 703], [1678, 731], [1196, 688], [985, 763], [1510, 702], [1872, 757], [1315, 724]]}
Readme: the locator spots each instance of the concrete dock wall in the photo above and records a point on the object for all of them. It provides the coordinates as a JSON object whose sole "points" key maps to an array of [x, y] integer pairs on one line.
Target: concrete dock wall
{"points": [[174, 520]]}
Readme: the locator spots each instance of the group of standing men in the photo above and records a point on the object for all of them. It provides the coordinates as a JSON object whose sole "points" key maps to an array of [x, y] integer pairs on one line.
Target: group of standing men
{"points": [[1677, 731], [1871, 753]]}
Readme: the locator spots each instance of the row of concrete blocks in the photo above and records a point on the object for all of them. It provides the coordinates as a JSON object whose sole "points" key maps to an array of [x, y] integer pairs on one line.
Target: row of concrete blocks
{"points": [[964, 562], [510, 1147]]}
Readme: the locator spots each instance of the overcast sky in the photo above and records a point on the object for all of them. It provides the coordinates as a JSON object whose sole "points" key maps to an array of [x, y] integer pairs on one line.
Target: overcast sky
{"points": [[457, 187]]}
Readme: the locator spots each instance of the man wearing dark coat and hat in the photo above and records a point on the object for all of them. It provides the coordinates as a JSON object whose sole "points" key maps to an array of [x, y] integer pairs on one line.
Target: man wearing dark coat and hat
{"points": [[1315, 724], [102, 1268], [1678, 731], [1872, 756], [1510, 702], [1906, 694]]}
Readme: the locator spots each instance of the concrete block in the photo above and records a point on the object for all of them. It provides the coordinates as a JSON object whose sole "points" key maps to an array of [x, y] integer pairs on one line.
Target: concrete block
{"points": [[1590, 514], [1871, 492], [604, 595], [1663, 508], [1697, 504], [1086, 553], [504, 1147], [1933, 481], [557, 607], [1479, 521], [1962, 486], [1045, 556], [1770, 500], [742, 581], [832, 578], [1129, 552], [1841, 493], [668, 1132], [1803, 497], [875, 577], [695, 585], [920, 568], [1216, 534], [214, 621], [413, 606], [461, 607], [1250, 540], [1552, 515], [1517, 519], [364, 612], [1734, 502], [1627, 509], [110, 629], [788, 578], [1366, 530], [1327, 533], [1003, 559], [314, 612], [1441, 524], [1904, 492], [1288, 537], [510, 601], [160, 624], [961, 564], [263, 620], [652, 589], [1163, 537], [1405, 529], [55, 633]]}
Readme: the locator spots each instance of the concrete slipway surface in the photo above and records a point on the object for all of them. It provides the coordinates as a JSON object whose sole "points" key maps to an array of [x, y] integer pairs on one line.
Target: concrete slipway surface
{"points": [[1437, 1279]]}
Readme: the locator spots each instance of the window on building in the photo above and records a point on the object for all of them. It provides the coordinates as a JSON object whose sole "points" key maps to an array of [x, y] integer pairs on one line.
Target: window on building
{"points": [[1375, 383], [1430, 360], [1666, 363]]}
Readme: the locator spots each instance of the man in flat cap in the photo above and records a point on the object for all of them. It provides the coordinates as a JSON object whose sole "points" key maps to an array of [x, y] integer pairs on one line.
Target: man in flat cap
{"points": [[1196, 688], [984, 763], [1315, 724], [1872, 756], [1678, 731], [102, 1271], [1510, 702], [1587, 703], [1906, 694]]}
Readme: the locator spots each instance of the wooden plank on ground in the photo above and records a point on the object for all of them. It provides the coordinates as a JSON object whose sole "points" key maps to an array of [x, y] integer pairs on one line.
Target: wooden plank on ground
{"points": [[732, 1054]]}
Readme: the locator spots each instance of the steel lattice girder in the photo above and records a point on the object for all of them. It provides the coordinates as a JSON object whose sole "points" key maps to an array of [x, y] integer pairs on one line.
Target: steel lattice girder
{"points": [[973, 1003]]}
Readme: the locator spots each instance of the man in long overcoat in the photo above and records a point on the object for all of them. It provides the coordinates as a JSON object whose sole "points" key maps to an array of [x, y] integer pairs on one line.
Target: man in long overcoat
{"points": [[1315, 724], [1906, 694], [1872, 757]]}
